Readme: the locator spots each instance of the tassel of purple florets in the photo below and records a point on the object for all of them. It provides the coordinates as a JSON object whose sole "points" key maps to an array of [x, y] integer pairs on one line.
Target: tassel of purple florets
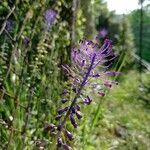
{"points": [[88, 62]]}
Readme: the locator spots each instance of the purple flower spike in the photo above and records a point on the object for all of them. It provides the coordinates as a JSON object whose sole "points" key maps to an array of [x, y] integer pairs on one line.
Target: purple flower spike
{"points": [[90, 62], [95, 75], [50, 16]]}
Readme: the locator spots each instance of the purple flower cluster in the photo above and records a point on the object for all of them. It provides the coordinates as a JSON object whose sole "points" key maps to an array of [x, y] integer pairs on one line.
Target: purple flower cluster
{"points": [[88, 64], [50, 16]]}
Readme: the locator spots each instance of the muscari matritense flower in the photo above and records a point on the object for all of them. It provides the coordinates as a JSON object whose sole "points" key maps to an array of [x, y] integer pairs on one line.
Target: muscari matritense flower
{"points": [[90, 62]]}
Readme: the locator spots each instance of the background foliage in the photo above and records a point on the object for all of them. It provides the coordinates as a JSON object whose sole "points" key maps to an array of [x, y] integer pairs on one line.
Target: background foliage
{"points": [[135, 24]]}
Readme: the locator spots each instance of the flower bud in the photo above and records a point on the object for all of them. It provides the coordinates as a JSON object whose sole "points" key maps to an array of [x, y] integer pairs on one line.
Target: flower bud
{"points": [[50, 127], [101, 94], [73, 110], [59, 142], [108, 85], [95, 75], [59, 127], [65, 92], [87, 101], [61, 111], [66, 147], [74, 89], [78, 114], [112, 73], [78, 107], [73, 122], [69, 135], [64, 100], [58, 117]]}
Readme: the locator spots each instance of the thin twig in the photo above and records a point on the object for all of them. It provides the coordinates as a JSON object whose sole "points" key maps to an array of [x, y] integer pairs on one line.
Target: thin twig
{"points": [[9, 35]]}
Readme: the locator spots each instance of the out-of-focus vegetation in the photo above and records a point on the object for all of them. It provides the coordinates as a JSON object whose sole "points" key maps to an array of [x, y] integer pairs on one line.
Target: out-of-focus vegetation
{"points": [[123, 118], [135, 20], [31, 78]]}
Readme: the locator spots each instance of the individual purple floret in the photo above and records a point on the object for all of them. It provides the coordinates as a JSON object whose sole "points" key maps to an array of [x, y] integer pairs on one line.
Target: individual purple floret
{"points": [[87, 71], [65, 91], [103, 32], [73, 121], [60, 127], [66, 147], [69, 135], [108, 85], [78, 107], [61, 111], [78, 114], [9, 25], [50, 16], [50, 127], [101, 94], [87, 101], [59, 142], [73, 110], [26, 40], [58, 117]]}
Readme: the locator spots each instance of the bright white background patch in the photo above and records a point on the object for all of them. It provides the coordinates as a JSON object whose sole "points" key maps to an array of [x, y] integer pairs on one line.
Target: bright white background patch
{"points": [[122, 6]]}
